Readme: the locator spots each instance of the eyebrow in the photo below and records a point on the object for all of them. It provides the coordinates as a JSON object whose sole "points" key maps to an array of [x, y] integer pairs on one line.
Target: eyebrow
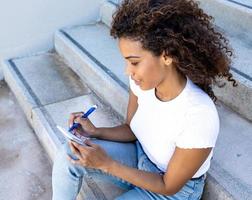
{"points": [[131, 57]]}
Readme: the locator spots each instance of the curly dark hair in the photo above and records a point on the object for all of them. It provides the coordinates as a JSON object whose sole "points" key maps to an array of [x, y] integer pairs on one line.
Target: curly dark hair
{"points": [[183, 31]]}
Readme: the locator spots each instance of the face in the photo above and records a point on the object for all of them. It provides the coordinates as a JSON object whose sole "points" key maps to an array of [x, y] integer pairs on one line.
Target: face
{"points": [[146, 69]]}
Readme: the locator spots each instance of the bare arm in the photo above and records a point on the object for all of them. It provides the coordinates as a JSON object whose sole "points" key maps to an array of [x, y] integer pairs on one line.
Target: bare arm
{"points": [[121, 133]]}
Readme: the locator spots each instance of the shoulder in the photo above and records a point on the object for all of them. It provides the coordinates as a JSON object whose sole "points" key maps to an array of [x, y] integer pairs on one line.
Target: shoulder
{"points": [[200, 122], [201, 108], [198, 101]]}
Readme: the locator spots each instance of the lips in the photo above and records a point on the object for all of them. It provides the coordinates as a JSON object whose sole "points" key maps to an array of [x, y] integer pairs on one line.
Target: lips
{"points": [[136, 81]]}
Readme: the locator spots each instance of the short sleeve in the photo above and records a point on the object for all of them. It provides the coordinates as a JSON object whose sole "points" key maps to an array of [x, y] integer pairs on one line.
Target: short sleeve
{"points": [[134, 88], [201, 128]]}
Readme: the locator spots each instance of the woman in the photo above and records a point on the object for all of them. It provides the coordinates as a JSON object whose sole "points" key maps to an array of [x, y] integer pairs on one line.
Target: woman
{"points": [[163, 150]]}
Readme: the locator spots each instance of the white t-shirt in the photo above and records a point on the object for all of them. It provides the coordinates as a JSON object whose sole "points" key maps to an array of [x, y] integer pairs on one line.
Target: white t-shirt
{"points": [[188, 121]]}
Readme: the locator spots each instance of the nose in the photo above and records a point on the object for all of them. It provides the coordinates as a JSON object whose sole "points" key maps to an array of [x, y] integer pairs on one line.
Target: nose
{"points": [[129, 71]]}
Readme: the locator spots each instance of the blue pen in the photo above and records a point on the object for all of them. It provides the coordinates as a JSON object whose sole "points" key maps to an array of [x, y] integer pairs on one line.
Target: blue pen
{"points": [[85, 115]]}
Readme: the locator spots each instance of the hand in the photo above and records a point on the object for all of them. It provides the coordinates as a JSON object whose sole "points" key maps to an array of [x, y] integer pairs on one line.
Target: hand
{"points": [[86, 127], [91, 155]]}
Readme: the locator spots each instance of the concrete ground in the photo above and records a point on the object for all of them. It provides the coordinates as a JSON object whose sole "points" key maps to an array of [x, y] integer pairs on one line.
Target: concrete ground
{"points": [[25, 169]]}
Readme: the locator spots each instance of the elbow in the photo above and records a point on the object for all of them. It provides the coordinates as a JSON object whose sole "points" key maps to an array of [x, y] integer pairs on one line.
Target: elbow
{"points": [[170, 192], [171, 189]]}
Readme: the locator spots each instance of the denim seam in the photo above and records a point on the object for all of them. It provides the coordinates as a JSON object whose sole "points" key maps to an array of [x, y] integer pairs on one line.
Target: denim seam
{"points": [[191, 195]]}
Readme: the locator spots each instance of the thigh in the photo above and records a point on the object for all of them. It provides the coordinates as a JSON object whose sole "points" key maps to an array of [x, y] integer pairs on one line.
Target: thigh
{"points": [[132, 194], [123, 152]]}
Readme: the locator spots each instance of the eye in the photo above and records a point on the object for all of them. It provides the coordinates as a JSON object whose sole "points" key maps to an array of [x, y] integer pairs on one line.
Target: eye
{"points": [[134, 63]]}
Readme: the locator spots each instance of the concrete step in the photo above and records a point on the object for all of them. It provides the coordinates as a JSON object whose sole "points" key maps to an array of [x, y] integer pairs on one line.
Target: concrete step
{"points": [[85, 54], [246, 3], [239, 98], [106, 11], [232, 16], [48, 91], [234, 19], [230, 171], [95, 57], [81, 46]]}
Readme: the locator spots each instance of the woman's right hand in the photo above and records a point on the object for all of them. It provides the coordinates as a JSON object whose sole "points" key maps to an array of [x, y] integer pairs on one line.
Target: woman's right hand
{"points": [[86, 127]]}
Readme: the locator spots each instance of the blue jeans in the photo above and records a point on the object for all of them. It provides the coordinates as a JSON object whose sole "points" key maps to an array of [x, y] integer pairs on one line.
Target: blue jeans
{"points": [[67, 178]]}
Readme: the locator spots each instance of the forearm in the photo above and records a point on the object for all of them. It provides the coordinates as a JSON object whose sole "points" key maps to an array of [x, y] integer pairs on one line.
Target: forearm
{"points": [[147, 180], [121, 133]]}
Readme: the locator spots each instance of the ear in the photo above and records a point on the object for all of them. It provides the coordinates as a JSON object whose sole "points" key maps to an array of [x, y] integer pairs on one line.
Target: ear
{"points": [[167, 60]]}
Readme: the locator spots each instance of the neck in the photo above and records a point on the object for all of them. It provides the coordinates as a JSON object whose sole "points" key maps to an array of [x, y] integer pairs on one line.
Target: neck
{"points": [[171, 86]]}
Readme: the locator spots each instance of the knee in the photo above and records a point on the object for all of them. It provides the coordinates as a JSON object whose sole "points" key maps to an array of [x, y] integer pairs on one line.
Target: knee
{"points": [[62, 165], [61, 160]]}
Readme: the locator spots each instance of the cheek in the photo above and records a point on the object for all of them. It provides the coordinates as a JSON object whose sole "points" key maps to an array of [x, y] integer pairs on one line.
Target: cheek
{"points": [[150, 76]]}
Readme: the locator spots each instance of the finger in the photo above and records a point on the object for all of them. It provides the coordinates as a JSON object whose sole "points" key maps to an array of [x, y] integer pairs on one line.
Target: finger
{"points": [[81, 148], [75, 162], [77, 119], [80, 120], [72, 117], [74, 150], [91, 144], [76, 145], [78, 157], [79, 129]]}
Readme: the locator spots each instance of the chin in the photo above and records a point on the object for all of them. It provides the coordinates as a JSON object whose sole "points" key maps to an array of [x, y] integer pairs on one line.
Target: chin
{"points": [[144, 88]]}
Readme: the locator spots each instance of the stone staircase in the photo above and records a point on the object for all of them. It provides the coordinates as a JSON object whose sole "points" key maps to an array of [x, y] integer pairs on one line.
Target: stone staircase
{"points": [[235, 20], [86, 68]]}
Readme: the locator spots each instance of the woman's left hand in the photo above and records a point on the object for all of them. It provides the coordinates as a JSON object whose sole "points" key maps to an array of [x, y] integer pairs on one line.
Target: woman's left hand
{"points": [[91, 155]]}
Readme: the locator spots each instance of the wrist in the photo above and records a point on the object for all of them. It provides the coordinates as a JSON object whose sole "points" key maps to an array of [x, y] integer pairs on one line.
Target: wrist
{"points": [[97, 132], [108, 168]]}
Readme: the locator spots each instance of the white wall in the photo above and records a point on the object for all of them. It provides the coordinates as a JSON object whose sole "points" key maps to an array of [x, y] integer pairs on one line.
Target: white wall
{"points": [[28, 26]]}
